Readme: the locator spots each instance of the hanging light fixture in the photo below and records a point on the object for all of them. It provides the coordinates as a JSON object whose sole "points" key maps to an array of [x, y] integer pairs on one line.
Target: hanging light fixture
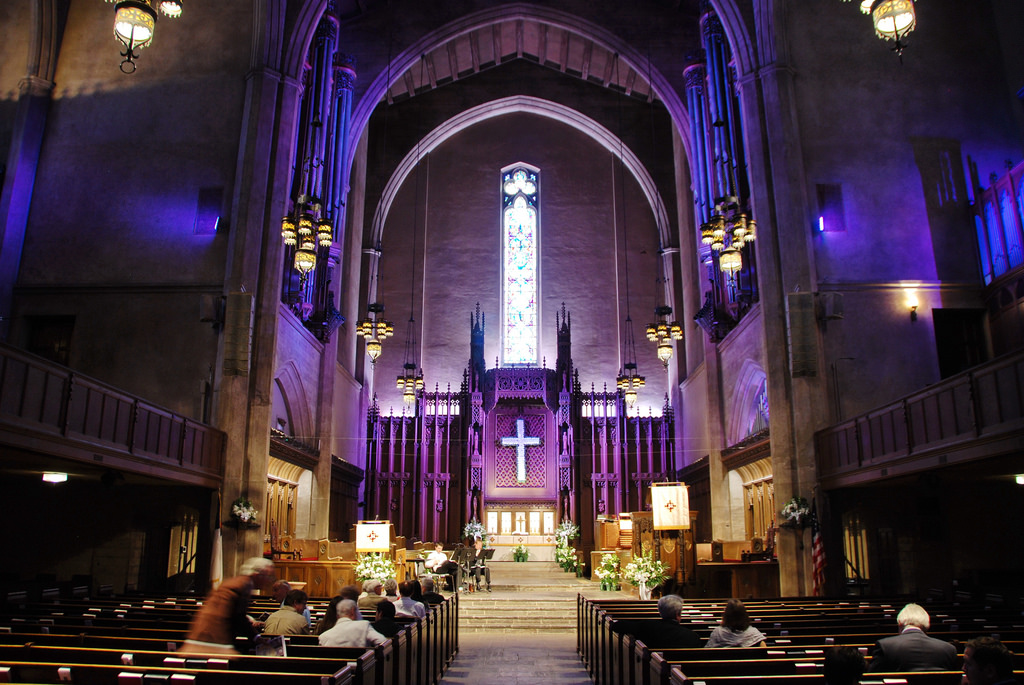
{"points": [[865, 5], [663, 332], [306, 230], [629, 379], [727, 232], [893, 19], [375, 330], [135, 24]]}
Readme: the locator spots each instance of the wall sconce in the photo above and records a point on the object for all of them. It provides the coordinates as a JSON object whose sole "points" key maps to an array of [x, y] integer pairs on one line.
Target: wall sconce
{"points": [[912, 303]]}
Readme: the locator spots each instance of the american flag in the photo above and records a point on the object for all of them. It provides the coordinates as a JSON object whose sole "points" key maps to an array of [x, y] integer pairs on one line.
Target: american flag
{"points": [[817, 554]]}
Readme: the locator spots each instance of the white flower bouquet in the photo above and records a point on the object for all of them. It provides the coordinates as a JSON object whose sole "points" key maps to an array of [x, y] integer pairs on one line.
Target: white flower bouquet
{"points": [[646, 572], [374, 565], [243, 513], [566, 531], [609, 568], [796, 513], [474, 529]]}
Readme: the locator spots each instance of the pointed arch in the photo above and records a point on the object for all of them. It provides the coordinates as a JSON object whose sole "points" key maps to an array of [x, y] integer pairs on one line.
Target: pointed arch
{"points": [[749, 383], [296, 400]]}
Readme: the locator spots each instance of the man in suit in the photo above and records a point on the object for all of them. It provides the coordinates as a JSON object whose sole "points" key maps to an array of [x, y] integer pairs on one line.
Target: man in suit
{"points": [[912, 650], [350, 631], [478, 564], [663, 632]]}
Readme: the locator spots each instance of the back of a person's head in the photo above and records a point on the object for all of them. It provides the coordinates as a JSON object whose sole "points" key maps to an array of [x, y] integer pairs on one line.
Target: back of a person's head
{"points": [[405, 588], [735, 616], [367, 584], [427, 584], [331, 613], [913, 615], [385, 610], [988, 651], [295, 597], [347, 608], [254, 565], [391, 586], [843, 665], [670, 606], [349, 592]]}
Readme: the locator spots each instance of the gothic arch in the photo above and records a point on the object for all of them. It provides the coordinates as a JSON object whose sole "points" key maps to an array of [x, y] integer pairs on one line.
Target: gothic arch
{"points": [[532, 105], [296, 401], [502, 13], [744, 400]]}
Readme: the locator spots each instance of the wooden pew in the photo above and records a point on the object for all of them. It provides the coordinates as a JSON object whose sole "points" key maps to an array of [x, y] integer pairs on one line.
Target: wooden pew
{"points": [[119, 674]]}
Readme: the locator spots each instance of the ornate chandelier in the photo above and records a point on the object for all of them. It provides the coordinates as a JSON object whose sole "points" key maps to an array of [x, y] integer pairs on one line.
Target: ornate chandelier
{"points": [[135, 24], [375, 330], [893, 19], [305, 229], [727, 232], [663, 332]]}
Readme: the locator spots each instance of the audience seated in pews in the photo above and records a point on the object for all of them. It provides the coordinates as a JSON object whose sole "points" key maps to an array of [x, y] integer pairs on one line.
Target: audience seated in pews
{"points": [[385, 623], [349, 631], [223, 615], [663, 632], [912, 650], [371, 596], [281, 589], [429, 597], [406, 605], [843, 665], [289, 619], [330, 616], [987, 661], [735, 629]]}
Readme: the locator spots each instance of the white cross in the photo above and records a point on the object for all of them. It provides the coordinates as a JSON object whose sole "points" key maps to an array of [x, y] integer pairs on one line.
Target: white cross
{"points": [[520, 442]]}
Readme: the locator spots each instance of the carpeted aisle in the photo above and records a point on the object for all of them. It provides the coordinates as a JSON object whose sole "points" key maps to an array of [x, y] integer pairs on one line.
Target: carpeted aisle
{"points": [[517, 659]]}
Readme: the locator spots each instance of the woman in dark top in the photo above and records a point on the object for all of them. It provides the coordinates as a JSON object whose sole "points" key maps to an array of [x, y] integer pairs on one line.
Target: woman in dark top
{"points": [[330, 616]]}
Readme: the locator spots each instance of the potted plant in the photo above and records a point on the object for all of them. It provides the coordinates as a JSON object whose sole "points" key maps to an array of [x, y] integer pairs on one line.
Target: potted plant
{"points": [[608, 571], [520, 552], [374, 565], [646, 573], [243, 514], [796, 514], [474, 529]]}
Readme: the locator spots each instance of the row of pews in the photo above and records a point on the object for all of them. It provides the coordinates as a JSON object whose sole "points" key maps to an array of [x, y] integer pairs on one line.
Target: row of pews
{"points": [[798, 633], [122, 641]]}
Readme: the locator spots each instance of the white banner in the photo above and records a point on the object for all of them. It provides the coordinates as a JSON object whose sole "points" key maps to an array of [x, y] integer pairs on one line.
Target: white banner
{"points": [[373, 537], [671, 504]]}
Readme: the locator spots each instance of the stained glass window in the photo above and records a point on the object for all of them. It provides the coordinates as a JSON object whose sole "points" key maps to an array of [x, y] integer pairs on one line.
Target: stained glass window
{"points": [[520, 293]]}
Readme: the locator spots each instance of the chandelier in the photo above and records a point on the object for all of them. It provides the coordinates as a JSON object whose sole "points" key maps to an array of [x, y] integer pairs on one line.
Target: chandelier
{"points": [[411, 380], [663, 332], [305, 229], [135, 24], [893, 19], [727, 232], [375, 330]]}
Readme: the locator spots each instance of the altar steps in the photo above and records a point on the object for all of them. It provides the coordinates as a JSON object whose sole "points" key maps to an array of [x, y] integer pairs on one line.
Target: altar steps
{"points": [[525, 597]]}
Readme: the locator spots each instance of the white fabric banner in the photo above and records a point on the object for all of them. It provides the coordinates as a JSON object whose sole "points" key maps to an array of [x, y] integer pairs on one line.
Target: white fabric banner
{"points": [[373, 537], [671, 505]]}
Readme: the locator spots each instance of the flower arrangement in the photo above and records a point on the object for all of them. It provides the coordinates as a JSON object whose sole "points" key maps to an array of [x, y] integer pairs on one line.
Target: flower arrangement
{"points": [[796, 513], [567, 559], [646, 573], [566, 531], [474, 529], [374, 565], [243, 514], [520, 553], [608, 571]]}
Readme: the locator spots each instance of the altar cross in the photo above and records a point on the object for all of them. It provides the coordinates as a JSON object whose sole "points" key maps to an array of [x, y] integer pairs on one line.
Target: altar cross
{"points": [[520, 441]]}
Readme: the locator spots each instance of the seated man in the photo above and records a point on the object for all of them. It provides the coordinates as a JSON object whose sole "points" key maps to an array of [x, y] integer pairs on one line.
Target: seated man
{"points": [[371, 596], [386, 624], [478, 564], [348, 632], [663, 632], [430, 597], [912, 650], [406, 605], [290, 619], [987, 661], [437, 562]]}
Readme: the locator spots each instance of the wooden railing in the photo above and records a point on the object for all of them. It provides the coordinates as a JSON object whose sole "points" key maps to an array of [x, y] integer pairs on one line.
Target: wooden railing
{"points": [[49, 408], [973, 414]]}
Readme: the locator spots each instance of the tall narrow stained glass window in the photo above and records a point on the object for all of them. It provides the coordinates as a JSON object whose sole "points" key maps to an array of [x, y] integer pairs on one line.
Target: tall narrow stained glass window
{"points": [[520, 283]]}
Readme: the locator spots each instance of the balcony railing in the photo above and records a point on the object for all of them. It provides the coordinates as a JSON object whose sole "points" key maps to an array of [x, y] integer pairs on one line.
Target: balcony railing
{"points": [[975, 414], [48, 408]]}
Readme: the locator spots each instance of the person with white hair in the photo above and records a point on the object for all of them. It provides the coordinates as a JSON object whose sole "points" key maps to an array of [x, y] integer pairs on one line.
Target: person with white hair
{"points": [[666, 631], [349, 632], [912, 649], [223, 615], [371, 596]]}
